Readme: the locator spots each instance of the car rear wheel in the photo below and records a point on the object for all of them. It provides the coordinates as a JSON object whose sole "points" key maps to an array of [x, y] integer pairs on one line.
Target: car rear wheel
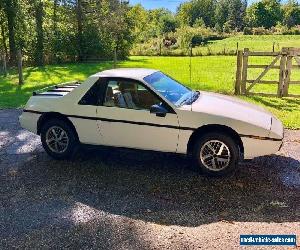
{"points": [[58, 139], [216, 154]]}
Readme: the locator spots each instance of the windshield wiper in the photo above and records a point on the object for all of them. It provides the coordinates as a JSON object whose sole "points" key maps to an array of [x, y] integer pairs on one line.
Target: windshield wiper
{"points": [[183, 101], [196, 96], [190, 98]]}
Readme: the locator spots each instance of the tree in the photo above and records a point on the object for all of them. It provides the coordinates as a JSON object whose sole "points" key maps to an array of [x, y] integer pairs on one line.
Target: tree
{"points": [[236, 14], [167, 23], [199, 23], [3, 31], [79, 15], [10, 10], [221, 13], [159, 20], [184, 14], [231, 12], [264, 14], [39, 15], [189, 12], [291, 13], [140, 21]]}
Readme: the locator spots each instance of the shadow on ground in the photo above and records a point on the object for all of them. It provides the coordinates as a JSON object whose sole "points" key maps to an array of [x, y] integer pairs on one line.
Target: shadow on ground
{"points": [[152, 187], [113, 198]]}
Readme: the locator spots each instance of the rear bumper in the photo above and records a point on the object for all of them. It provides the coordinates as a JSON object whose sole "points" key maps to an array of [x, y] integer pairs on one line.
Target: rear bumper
{"points": [[29, 121]]}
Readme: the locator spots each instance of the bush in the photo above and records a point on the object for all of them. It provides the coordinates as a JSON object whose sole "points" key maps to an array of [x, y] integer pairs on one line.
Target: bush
{"points": [[247, 31], [295, 30], [260, 31], [227, 27], [195, 36], [279, 29]]}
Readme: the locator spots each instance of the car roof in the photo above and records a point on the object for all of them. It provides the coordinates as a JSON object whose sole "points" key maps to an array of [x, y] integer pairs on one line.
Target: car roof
{"points": [[133, 73]]}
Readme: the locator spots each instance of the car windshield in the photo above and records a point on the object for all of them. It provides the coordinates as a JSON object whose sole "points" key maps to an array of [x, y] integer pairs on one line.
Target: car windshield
{"points": [[172, 90]]}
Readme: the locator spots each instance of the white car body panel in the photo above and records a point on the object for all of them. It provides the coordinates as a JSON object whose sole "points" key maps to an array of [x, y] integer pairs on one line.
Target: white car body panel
{"points": [[29, 121], [256, 147], [137, 136], [260, 132]]}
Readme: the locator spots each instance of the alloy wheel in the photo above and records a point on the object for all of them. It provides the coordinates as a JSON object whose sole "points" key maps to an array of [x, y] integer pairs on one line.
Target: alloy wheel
{"points": [[57, 139], [215, 155]]}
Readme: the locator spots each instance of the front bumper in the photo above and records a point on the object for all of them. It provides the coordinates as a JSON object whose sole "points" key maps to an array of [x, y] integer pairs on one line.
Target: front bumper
{"points": [[256, 147]]}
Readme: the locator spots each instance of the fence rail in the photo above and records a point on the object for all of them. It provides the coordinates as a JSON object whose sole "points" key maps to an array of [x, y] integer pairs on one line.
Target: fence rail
{"points": [[285, 57]]}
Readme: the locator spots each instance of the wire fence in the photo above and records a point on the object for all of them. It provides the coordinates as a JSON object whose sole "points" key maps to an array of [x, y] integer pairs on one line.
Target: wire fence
{"points": [[209, 49], [212, 73], [215, 73]]}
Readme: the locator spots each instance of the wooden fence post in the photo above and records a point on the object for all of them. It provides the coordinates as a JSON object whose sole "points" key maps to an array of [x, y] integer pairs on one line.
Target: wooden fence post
{"points": [[20, 70], [281, 73], [238, 80], [288, 71], [245, 70]]}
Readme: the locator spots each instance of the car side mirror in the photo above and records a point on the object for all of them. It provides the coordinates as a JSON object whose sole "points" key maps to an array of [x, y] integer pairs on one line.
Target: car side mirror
{"points": [[158, 110]]}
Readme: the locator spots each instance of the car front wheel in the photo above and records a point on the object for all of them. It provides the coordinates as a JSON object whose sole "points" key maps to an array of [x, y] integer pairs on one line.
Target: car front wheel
{"points": [[216, 154], [58, 139]]}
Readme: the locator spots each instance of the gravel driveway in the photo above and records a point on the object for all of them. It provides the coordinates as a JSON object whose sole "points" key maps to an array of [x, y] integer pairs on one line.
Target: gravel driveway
{"points": [[123, 199]]}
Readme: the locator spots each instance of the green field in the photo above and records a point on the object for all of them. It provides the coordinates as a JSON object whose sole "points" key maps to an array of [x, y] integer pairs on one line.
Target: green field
{"points": [[227, 46], [255, 43], [212, 73]]}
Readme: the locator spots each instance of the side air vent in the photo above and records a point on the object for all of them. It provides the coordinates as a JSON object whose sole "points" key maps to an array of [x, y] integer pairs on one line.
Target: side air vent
{"points": [[57, 90]]}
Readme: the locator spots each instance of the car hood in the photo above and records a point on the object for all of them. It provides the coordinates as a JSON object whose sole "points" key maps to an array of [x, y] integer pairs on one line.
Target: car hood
{"points": [[233, 108]]}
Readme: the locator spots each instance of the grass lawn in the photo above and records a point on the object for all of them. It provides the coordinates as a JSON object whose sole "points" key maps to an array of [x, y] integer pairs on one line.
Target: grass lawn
{"points": [[212, 73]]}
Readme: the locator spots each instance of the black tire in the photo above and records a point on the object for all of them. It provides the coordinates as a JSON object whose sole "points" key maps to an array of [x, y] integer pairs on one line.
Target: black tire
{"points": [[201, 148], [72, 145]]}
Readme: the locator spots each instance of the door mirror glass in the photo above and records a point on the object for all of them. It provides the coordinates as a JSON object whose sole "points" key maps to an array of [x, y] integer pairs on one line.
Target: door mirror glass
{"points": [[158, 110]]}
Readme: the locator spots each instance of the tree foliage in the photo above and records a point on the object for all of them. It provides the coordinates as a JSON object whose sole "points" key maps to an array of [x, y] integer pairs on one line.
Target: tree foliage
{"points": [[190, 12], [230, 14], [55, 31], [264, 14], [291, 13]]}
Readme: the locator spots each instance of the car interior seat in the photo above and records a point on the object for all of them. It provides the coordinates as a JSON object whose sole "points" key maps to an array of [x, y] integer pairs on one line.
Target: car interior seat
{"points": [[109, 98], [126, 96]]}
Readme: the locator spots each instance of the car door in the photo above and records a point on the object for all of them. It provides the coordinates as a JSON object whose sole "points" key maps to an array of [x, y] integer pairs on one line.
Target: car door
{"points": [[83, 116], [124, 118]]}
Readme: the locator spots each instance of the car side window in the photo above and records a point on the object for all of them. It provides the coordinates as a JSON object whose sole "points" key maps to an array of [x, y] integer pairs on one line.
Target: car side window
{"points": [[129, 94], [92, 97]]}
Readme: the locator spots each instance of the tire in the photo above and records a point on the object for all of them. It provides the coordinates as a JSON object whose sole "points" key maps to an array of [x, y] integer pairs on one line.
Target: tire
{"points": [[216, 154], [59, 139]]}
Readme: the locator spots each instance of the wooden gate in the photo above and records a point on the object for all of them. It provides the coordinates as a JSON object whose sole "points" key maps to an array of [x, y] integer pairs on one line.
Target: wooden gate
{"points": [[284, 58]]}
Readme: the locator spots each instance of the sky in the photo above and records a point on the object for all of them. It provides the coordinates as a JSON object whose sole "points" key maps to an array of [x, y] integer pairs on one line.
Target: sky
{"points": [[169, 4], [152, 4]]}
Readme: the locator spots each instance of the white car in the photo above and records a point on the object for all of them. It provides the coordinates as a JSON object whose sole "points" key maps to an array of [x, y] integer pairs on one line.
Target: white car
{"points": [[146, 109]]}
